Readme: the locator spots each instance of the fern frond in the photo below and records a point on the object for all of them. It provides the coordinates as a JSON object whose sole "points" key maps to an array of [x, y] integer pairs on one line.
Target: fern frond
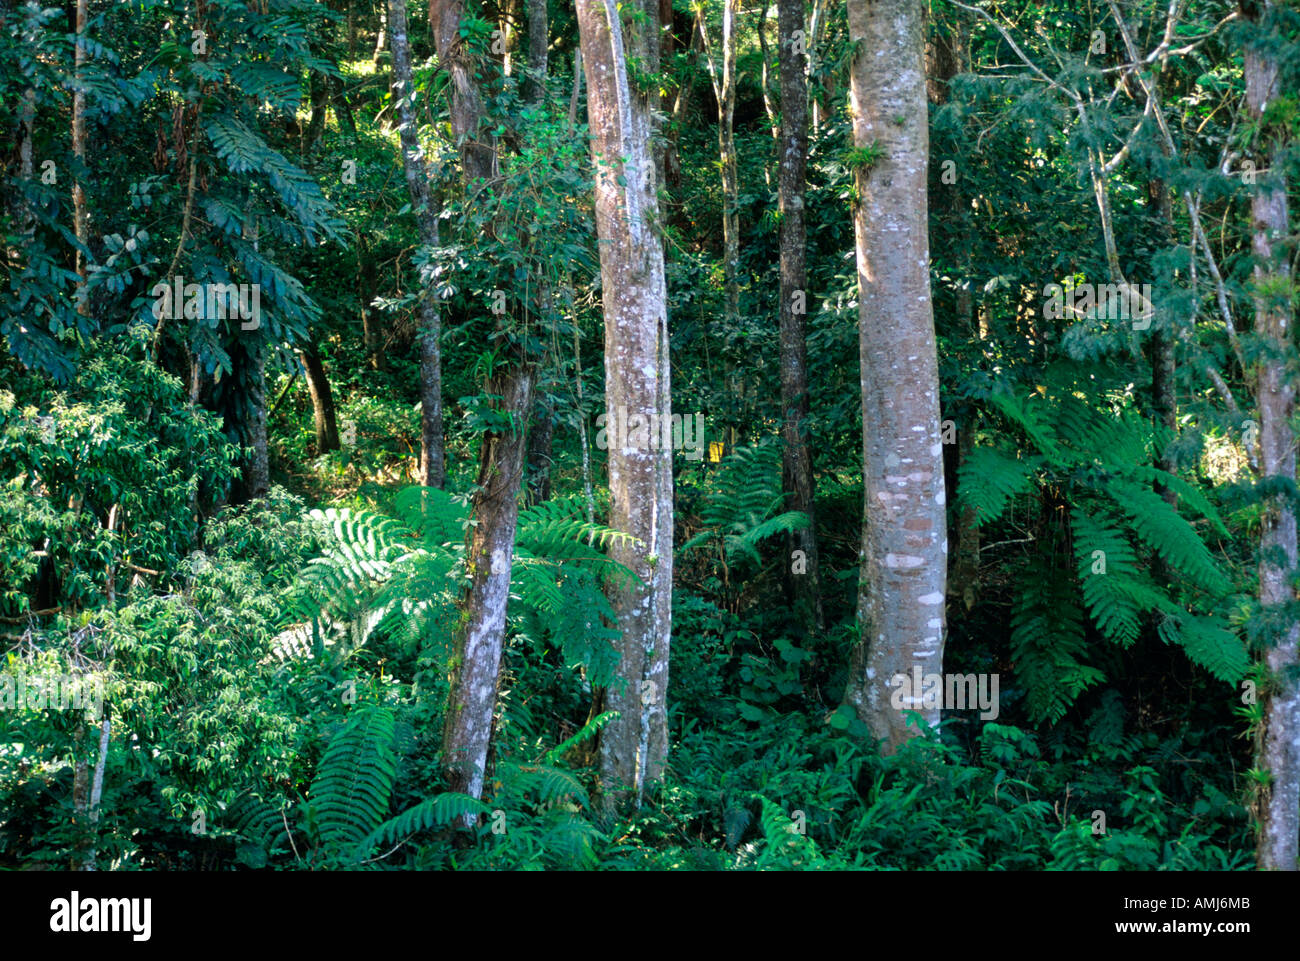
{"points": [[1160, 526], [350, 794], [989, 479], [438, 811], [1047, 644]]}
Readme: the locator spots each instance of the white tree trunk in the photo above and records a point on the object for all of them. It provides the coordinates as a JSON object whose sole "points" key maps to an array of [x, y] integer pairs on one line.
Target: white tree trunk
{"points": [[1279, 841], [635, 746], [904, 537]]}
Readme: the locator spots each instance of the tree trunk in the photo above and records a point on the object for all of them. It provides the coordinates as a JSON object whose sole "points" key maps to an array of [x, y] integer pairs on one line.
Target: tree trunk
{"points": [[257, 472], [428, 335], [633, 747], [724, 89], [1279, 840], [366, 289], [803, 584], [477, 664], [342, 109], [539, 454], [318, 86], [537, 50], [477, 146], [381, 40], [468, 731], [322, 400], [904, 542], [80, 226], [1163, 369]]}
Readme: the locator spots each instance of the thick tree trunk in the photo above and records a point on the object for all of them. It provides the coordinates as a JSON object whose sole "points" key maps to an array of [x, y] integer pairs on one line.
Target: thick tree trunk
{"points": [[904, 537], [1279, 840], [633, 747], [803, 584], [322, 400], [468, 731], [428, 334]]}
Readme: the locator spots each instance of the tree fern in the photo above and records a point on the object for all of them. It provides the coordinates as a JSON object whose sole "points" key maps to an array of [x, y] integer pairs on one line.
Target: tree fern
{"points": [[1096, 454]]}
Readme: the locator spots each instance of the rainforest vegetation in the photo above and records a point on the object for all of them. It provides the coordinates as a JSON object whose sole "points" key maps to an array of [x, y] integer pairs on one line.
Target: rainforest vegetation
{"points": [[648, 435]]}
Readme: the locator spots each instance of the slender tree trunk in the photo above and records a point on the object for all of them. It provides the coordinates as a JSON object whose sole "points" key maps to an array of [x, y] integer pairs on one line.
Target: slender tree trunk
{"points": [[257, 472], [540, 439], [322, 400], [366, 290], [724, 89], [1163, 369], [468, 731], [477, 664], [97, 791], [342, 109], [633, 747], [428, 334], [381, 40], [317, 85], [803, 578], [817, 26], [1279, 840], [537, 50], [80, 226], [904, 537]]}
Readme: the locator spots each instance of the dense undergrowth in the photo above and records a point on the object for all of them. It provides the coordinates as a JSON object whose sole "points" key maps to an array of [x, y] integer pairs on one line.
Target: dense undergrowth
{"points": [[276, 691]]}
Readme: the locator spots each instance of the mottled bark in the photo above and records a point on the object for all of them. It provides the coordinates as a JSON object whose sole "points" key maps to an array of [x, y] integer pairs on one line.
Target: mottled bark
{"points": [[477, 663], [802, 577], [257, 471], [634, 747], [428, 332], [1279, 837], [904, 538], [477, 145], [322, 400]]}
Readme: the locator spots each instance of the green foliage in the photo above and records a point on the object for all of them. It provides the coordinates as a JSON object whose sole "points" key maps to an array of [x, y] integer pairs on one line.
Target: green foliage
{"points": [[1096, 458], [403, 575], [741, 507]]}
